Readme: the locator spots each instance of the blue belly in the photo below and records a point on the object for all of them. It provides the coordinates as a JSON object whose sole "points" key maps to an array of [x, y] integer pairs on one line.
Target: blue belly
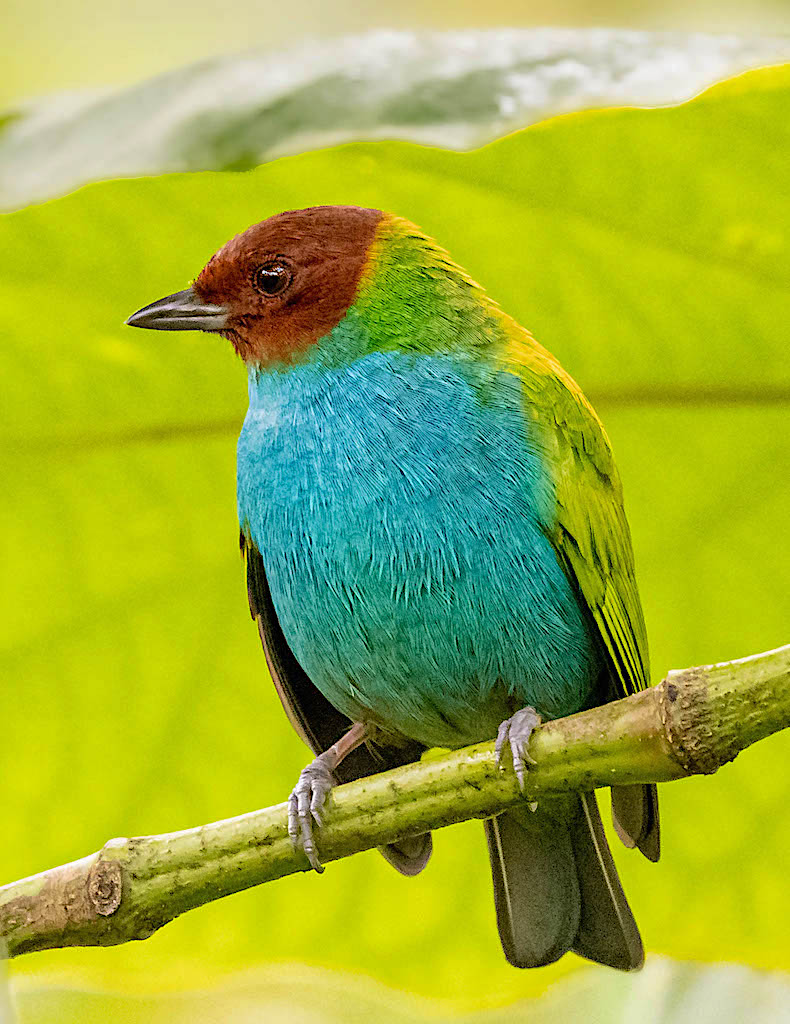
{"points": [[397, 504]]}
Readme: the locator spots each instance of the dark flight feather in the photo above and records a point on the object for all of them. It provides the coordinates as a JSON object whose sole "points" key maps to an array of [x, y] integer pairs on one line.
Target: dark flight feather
{"points": [[316, 720]]}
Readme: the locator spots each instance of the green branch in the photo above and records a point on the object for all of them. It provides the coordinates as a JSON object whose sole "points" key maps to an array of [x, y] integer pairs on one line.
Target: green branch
{"points": [[691, 723]]}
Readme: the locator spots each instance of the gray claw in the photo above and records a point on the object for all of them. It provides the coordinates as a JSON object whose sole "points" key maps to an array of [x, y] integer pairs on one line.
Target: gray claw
{"points": [[304, 806], [516, 732]]}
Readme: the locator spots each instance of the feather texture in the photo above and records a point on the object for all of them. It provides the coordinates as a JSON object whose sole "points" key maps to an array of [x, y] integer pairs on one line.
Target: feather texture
{"points": [[421, 593], [316, 721]]}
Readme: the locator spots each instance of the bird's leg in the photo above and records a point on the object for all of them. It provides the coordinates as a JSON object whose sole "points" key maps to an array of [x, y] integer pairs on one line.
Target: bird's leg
{"points": [[517, 731], [310, 792]]}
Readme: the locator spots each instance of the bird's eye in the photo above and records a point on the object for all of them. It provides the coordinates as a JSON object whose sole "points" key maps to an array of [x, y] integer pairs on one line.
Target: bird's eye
{"points": [[272, 277]]}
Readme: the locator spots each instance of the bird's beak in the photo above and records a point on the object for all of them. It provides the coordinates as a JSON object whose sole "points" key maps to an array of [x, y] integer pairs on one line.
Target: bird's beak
{"points": [[182, 311]]}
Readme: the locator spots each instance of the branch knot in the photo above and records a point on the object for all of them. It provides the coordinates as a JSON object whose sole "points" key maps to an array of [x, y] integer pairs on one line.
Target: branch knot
{"points": [[105, 885], [688, 722]]}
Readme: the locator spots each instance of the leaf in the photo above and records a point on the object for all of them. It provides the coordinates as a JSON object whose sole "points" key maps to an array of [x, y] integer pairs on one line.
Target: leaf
{"points": [[453, 89], [646, 248]]}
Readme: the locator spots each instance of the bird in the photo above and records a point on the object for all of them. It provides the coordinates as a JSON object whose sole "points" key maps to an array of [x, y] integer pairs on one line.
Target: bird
{"points": [[436, 546]]}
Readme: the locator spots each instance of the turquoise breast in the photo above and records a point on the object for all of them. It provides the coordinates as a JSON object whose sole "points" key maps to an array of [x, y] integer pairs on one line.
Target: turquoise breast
{"points": [[399, 505]]}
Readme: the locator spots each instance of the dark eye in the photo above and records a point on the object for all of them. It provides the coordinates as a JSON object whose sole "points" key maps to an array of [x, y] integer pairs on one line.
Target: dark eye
{"points": [[272, 278]]}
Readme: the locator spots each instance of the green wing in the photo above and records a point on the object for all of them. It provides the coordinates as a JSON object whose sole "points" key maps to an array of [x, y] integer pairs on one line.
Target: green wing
{"points": [[592, 538], [589, 529], [590, 534]]}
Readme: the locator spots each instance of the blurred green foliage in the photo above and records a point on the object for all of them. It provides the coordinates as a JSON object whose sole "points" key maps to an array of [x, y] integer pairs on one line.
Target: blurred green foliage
{"points": [[665, 993], [649, 251]]}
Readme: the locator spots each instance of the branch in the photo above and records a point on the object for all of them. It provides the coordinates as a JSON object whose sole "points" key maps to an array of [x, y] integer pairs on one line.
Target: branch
{"points": [[691, 723]]}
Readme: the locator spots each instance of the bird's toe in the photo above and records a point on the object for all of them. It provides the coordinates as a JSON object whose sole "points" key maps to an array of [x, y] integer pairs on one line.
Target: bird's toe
{"points": [[516, 732], [304, 807]]}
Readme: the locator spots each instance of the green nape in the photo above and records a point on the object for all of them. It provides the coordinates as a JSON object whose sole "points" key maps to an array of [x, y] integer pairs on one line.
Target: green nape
{"points": [[413, 297]]}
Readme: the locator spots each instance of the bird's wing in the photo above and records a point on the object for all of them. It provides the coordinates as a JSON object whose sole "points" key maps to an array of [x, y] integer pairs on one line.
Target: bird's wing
{"points": [[318, 722], [315, 719], [588, 529], [590, 534]]}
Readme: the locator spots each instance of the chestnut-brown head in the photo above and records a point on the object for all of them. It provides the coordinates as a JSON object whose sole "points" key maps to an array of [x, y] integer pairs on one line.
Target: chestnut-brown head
{"points": [[278, 287]]}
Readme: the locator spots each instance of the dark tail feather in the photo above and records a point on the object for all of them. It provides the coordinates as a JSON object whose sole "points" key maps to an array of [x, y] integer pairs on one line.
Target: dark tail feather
{"points": [[607, 931], [409, 856], [536, 889], [635, 818], [556, 887]]}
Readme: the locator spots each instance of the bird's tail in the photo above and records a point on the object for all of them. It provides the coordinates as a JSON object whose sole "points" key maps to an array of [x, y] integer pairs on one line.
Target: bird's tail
{"points": [[635, 818], [409, 856], [556, 887]]}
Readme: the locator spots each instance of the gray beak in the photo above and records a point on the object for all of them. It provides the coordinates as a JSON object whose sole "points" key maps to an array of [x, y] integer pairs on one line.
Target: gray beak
{"points": [[182, 311]]}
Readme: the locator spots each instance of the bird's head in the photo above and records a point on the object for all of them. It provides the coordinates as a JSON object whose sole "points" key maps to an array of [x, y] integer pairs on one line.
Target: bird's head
{"points": [[278, 287], [283, 285]]}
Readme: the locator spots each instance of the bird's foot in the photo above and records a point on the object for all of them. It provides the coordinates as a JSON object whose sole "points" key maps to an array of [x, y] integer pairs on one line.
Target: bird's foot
{"points": [[516, 731], [304, 806]]}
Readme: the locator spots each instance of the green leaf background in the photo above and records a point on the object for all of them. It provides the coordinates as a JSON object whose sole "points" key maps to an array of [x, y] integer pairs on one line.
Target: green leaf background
{"points": [[649, 250]]}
